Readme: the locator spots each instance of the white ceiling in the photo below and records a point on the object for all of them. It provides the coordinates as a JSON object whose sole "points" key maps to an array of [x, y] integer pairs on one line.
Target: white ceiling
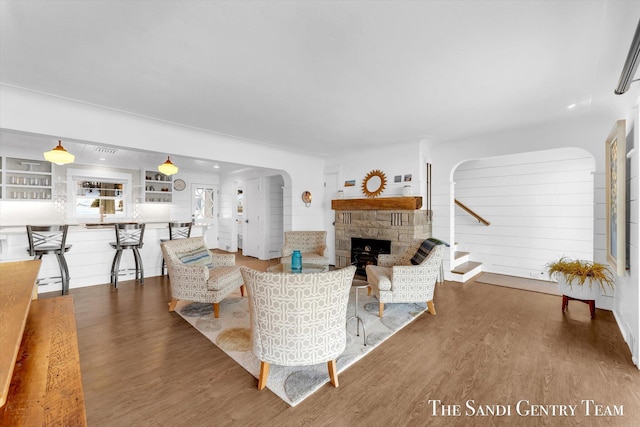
{"points": [[318, 76]]}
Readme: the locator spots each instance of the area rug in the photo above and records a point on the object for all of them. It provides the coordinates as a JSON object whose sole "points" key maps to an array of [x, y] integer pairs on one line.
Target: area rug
{"points": [[544, 286], [231, 333]]}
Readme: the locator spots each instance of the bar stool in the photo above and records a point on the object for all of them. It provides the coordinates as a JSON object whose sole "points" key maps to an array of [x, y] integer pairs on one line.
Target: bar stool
{"points": [[177, 230], [50, 239], [128, 236]]}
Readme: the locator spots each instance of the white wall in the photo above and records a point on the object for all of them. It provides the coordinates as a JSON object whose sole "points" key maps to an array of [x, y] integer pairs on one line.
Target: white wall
{"points": [[275, 213], [627, 300], [398, 159], [539, 204]]}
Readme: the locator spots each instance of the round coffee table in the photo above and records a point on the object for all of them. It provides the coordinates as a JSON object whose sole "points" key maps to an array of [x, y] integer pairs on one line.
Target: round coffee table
{"points": [[306, 268], [357, 285]]}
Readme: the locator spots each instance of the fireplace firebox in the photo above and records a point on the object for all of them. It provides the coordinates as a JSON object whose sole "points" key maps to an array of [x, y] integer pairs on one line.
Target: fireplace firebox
{"points": [[365, 252]]}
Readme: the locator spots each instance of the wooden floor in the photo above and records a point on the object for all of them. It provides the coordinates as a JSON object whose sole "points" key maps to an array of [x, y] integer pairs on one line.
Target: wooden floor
{"points": [[490, 345]]}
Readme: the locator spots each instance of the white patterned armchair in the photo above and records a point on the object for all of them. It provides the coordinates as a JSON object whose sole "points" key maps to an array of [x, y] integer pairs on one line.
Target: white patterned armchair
{"points": [[311, 244], [198, 275], [298, 319], [395, 279]]}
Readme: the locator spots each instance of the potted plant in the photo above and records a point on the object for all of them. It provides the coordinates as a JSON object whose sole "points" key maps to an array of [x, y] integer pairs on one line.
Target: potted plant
{"points": [[581, 279]]}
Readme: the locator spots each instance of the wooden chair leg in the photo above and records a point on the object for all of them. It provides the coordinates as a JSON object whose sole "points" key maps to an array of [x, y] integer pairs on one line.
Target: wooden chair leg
{"points": [[380, 309], [216, 309], [172, 304], [264, 375], [242, 290], [369, 291], [431, 308], [333, 372]]}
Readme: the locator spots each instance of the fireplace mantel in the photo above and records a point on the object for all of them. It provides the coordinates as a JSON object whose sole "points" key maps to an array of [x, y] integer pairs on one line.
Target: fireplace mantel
{"points": [[379, 203]]}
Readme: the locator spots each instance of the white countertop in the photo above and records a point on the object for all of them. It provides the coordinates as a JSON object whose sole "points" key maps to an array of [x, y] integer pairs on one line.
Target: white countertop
{"points": [[19, 229]]}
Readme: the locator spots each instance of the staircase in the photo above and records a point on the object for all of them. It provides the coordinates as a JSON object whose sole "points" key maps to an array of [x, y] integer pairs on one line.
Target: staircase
{"points": [[463, 269]]}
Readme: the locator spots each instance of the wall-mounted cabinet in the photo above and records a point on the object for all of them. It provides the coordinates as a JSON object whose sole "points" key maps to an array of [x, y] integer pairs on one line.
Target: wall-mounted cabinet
{"points": [[26, 179], [157, 187]]}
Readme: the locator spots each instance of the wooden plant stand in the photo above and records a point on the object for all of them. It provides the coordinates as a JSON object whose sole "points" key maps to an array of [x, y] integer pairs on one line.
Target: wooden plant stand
{"points": [[590, 302]]}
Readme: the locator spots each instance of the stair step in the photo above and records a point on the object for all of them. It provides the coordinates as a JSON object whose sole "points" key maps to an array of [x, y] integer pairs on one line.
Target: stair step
{"points": [[465, 267], [458, 254]]}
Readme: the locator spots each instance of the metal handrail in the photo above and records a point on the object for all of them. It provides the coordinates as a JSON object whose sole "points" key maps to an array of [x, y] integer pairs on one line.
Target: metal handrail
{"points": [[471, 212]]}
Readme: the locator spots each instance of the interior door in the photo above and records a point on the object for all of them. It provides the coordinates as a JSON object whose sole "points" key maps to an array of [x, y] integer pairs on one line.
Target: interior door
{"points": [[204, 203], [331, 187], [251, 238], [240, 216]]}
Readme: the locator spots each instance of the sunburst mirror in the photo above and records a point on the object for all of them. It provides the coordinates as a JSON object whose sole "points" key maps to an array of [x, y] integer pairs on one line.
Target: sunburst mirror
{"points": [[374, 183]]}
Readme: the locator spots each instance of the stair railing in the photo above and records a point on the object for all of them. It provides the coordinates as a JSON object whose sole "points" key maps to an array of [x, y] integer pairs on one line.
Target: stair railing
{"points": [[471, 212]]}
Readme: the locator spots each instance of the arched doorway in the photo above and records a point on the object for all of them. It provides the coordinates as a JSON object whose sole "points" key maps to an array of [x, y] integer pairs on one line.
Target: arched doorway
{"points": [[540, 205]]}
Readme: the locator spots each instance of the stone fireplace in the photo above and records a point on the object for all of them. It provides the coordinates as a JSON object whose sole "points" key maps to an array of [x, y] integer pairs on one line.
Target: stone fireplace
{"points": [[396, 219]]}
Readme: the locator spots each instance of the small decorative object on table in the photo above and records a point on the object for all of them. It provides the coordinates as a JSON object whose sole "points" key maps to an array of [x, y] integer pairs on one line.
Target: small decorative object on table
{"points": [[407, 191], [296, 262]]}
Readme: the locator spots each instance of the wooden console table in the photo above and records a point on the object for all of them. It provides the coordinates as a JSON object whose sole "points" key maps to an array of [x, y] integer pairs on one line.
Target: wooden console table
{"points": [[46, 386], [17, 289]]}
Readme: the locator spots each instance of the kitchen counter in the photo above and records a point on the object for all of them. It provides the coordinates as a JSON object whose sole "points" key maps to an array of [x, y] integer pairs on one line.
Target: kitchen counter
{"points": [[91, 255], [20, 229]]}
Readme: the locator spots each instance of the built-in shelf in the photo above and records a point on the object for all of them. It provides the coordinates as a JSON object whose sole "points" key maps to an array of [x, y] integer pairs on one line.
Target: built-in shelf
{"points": [[378, 203], [157, 187], [26, 179]]}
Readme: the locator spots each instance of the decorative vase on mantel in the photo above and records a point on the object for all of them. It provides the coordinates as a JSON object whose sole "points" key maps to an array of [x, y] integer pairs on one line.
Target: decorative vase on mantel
{"points": [[407, 191]]}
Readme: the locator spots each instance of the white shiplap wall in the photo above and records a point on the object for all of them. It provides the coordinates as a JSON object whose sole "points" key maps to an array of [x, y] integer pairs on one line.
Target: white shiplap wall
{"points": [[540, 206], [275, 212]]}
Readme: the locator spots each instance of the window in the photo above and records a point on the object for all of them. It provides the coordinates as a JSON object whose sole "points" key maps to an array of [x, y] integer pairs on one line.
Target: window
{"points": [[99, 197], [104, 196]]}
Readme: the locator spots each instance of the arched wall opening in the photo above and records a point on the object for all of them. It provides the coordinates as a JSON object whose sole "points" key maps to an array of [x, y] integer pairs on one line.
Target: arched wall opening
{"points": [[540, 205]]}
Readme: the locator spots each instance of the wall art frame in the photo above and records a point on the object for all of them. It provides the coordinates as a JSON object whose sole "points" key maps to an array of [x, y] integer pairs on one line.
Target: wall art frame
{"points": [[615, 159]]}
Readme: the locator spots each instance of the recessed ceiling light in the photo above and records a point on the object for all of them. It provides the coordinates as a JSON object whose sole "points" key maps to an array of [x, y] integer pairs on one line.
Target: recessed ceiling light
{"points": [[571, 106], [216, 166]]}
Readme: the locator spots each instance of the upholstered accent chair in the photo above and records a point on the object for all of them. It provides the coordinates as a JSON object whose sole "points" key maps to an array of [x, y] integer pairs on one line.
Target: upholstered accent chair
{"points": [[198, 275], [397, 280], [298, 319], [312, 245]]}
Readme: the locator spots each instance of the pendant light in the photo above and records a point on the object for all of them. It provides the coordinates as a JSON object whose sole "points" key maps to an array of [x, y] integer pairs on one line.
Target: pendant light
{"points": [[168, 168], [59, 155]]}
